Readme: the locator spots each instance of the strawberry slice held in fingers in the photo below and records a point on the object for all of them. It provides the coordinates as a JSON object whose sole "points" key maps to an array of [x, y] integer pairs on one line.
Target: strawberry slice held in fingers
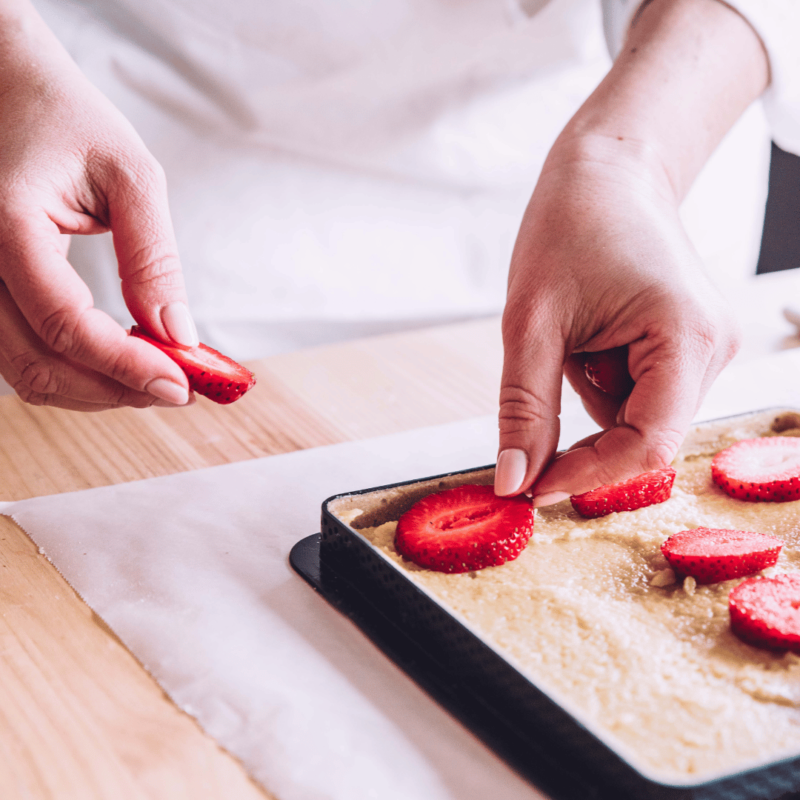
{"points": [[209, 373], [711, 555], [759, 470], [608, 371], [765, 612], [647, 489], [463, 529]]}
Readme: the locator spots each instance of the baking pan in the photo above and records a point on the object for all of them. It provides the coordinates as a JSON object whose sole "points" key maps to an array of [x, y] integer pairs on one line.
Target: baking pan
{"points": [[532, 732]]}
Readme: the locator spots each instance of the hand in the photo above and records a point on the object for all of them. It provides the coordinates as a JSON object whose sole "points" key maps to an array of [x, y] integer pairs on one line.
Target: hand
{"points": [[71, 164], [602, 261]]}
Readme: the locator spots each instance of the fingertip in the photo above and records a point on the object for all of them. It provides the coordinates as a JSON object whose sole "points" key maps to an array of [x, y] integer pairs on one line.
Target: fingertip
{"points": [[179, 324], [167, 390], [512, 466], [549, 498], [159, 403]]}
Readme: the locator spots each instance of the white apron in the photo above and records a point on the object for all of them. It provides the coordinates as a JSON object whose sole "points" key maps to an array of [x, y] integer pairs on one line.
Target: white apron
{"points": [[344, 167]]}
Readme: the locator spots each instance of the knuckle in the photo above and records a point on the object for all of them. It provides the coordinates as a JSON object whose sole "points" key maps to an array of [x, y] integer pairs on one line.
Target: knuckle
{"points": [[520, 408], [733, 341], [605, 474], [706, 337], [661, 449], [717, 334], [57, 330], [149, 171], [119, 369], [709, 333], [525, 317], [513, 323], [138, 400], [154, 265], [11, 223], [135, 169], [123, 396], [42, 376], [28, 395]]}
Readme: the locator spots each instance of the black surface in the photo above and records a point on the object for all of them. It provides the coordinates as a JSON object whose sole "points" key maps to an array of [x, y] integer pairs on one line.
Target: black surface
{"points": [[474, 711], [562, 760], [780, 242], [530, 731]]}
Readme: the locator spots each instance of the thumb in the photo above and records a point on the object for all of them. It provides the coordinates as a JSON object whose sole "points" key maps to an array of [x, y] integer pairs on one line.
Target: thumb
{"points": [[530, 402], [653, 420], [144, 241]]}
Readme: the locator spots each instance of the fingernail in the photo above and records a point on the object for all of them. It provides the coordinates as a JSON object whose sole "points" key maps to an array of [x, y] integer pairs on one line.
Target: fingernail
{"points": [[165, 389], [548, 498], [510, 471], [166, 404], [179, 324]]}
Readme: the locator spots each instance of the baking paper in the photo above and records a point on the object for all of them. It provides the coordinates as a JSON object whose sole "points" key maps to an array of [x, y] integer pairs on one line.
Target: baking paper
{"points": [[191, 571]]}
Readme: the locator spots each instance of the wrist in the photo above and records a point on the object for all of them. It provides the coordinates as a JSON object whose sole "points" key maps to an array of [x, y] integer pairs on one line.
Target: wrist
{"points": [[596, 158], [687, 71], [29, 51]]}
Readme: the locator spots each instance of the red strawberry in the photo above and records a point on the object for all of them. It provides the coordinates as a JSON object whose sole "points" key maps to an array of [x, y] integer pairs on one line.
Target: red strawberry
{"points": [[209, 372], [765, 612], [464, 529], [759, 470], [712, 555], [646, 489], [608, 371]]}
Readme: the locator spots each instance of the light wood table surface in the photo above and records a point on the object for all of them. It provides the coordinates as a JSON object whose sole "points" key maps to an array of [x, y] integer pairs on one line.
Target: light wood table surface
{"points": [[79, 716]]}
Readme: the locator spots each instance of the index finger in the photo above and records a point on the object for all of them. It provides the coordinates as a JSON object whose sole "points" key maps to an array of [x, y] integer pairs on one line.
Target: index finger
{"points": [[147, 253], [58, 306], [530, 401]]}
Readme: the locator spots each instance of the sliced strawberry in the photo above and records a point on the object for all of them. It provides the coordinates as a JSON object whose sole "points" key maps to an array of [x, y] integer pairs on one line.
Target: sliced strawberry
{"points": [[608, 371], [765, 612], [646, 489], [759, 470], [712, 555], [209, 372], [465, 528]]}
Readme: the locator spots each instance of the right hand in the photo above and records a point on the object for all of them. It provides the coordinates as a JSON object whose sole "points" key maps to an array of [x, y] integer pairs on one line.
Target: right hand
{"points": [[602, 261], [71, 164]]}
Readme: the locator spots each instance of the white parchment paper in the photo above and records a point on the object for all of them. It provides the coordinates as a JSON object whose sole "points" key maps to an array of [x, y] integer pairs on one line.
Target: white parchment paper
{"points": [[191, 571]]}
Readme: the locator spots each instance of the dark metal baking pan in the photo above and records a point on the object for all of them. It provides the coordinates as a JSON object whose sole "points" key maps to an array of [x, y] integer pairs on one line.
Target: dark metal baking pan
{"points": [[533, 733]]}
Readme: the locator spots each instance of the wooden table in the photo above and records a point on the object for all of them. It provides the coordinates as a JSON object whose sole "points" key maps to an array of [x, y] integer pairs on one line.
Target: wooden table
{"points": [[79, 716]]}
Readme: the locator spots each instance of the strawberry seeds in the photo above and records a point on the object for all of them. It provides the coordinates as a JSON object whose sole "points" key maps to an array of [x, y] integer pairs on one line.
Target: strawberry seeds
{"points": [[469, 528], [647, 489], [208, 372], [765, 612], [464, 529], [712, 555], [759, 470]]}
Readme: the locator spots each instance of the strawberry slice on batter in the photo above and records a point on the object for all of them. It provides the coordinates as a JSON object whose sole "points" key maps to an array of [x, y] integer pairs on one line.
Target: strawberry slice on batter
{"points": [[711, 555], [464, 529], [765, 612], [209, 373], [759, 470], [646, 489]]}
